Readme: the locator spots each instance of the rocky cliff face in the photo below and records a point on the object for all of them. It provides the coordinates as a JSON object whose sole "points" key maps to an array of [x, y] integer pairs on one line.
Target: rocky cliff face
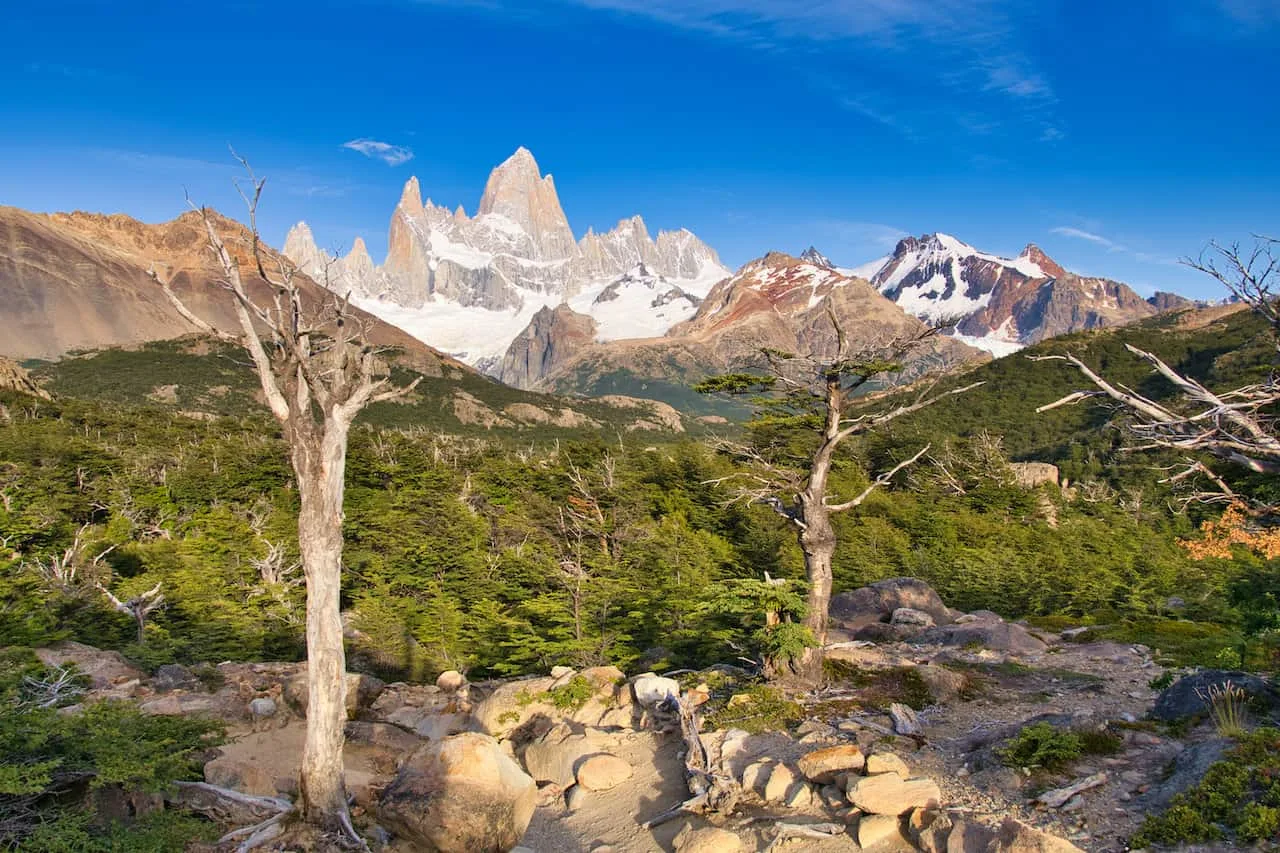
{"points": [[469, 283], [1000, 303], [550, 339], [80, 281]]}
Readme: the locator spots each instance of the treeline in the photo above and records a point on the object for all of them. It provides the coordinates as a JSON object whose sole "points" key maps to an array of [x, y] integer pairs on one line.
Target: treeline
{"points": [[503, 558]]}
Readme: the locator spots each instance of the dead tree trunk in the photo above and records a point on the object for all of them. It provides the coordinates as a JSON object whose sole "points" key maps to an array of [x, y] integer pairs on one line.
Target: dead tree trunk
{"points": [[321, 482]]}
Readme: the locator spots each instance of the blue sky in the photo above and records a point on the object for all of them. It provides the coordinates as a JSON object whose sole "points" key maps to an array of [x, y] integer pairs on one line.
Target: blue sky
{"points": [[1119, 136]]}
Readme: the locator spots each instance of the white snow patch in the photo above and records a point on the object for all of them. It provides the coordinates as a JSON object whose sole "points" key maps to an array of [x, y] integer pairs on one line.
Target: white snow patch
{"points": [[992, 343]]}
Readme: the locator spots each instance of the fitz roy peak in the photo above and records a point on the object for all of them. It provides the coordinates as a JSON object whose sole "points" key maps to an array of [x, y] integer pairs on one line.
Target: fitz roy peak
{"points": [[471, 284]]}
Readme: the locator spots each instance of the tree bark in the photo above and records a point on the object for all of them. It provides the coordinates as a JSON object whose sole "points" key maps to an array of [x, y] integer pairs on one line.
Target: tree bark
{"points": [[320, 467]]}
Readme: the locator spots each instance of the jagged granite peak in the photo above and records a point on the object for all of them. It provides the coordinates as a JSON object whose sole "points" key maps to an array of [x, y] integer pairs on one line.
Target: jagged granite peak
{"points": [[469, 284], [300, 247], [410, 196], [551, 337], [517, 192], [813, 256]]}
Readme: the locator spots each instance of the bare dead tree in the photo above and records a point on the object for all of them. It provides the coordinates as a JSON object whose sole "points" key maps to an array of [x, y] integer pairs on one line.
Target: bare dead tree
{"points": [[71, 569], [318, 370], [139, 606], [1236, 427], [819, 395]]}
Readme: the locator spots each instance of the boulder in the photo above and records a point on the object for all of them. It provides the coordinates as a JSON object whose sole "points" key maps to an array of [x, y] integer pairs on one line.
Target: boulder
{"points": [[907, 617], [362, 692], [889, 793], [512, 704], [558, 672], [1188, 696], [882, 832], [887, 762], [103, 668], [555, 756], [652, 689], [461, 795], [174, 676], [708, 839], [877, 602], [1014, 836], [450, 681], [781, 785], [995, 634], [934, 831], [602, 772], [945, 685], [823, 766]]}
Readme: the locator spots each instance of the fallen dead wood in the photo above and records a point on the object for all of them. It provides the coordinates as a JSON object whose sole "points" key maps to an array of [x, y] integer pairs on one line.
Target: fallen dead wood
{"points": [[712, 794], [263, 817]]}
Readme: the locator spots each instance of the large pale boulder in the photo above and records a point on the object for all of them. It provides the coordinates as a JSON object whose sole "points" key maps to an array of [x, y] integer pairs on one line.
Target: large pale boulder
{"points": [[512, 704], [555, 756], [881, 832], [890, 794], [887, 762], [986, 632], [461, 795]]}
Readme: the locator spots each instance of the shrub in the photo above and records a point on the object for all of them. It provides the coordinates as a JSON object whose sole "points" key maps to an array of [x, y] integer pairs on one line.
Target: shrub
{"points": [[758, 709], [1042, 745], [1238, 800], [572, 695]]}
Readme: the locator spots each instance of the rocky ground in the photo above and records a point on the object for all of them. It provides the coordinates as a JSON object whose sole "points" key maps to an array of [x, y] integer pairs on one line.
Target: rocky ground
{"points": [[581, 760]]}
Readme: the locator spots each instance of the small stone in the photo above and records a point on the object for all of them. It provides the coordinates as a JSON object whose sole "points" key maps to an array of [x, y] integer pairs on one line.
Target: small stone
{"points": [[887, 762], [832, 797], [779, 785], [876, 829], [905, 719], [756, 776], [602, 772], [1073, 805], [262, 708], [575, 797], [800, 796]]}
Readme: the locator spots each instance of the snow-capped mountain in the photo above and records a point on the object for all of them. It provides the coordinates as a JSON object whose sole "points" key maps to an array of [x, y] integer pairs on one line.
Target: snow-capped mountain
{"points": [[471, 284], [995, 303], [777, 301]]}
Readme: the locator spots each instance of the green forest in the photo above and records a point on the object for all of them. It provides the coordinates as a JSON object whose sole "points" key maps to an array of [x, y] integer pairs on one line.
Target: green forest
{"points": [[508, 551]]}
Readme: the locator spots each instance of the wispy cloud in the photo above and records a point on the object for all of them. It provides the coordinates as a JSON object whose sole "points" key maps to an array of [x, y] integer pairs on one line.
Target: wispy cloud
{"points": [[392, 155], [1081, 234], [909, 65], [1112, 245]]}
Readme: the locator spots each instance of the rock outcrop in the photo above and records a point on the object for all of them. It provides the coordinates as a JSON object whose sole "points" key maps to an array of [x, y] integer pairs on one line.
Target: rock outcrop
{"points": [[550, 339], [13, 377]]}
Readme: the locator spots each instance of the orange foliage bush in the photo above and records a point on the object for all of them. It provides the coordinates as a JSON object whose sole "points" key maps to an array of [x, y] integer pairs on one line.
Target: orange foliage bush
{"points": [[1235, 527]]}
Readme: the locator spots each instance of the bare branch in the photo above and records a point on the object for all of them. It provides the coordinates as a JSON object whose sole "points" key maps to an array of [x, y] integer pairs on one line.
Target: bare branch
{"points": [[883, 480]]}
